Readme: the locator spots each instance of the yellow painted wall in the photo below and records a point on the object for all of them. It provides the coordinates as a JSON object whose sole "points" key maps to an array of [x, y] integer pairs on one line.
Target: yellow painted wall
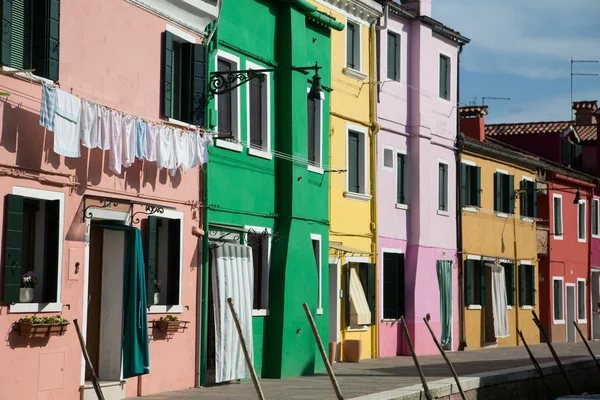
{"points": [[350, 219], [487, 234]]}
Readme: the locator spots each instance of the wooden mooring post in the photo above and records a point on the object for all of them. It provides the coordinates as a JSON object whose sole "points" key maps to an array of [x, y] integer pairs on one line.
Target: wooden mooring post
{"points": [[95, 380], [586, 344], [536, 366], [415, 359]]}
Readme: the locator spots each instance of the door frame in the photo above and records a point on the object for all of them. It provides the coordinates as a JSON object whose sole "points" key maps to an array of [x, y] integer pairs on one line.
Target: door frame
{"points": [[574, 286], [97, 214], [337, 312]]}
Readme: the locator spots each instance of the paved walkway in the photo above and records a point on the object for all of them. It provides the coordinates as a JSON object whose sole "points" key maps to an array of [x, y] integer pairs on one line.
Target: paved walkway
{"points": [[372, 376]]}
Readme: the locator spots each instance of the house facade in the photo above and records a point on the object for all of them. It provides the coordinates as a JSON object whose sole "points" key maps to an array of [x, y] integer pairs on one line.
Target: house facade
{"points": [[416, 175], [276, 224], [78, 212]]}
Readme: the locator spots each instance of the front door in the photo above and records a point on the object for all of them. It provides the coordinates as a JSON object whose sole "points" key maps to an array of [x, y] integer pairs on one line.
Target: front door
{"points": [[570, 313], [595, 305]]}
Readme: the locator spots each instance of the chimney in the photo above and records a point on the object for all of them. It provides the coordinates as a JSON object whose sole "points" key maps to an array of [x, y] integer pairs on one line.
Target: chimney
{"points": [[422, 7], [584, 112], [472, 123]]}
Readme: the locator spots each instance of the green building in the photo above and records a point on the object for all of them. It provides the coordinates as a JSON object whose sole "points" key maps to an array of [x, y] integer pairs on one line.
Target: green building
{"points": [[267, 191]]}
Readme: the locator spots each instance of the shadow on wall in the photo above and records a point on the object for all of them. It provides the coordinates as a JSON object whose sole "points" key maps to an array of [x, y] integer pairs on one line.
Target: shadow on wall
{"points": [[15, 341]]}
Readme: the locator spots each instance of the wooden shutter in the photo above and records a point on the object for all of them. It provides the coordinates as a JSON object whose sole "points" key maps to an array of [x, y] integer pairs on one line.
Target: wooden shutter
{"points": [[524, 195], [511, 194], [53, 39], [312, 104], [463, 184], [13, 247], [401, 286], [151, 259], [392, 56], [477, 186], [497, 191], [401, 175], [481, 268], [51, 239], [224, 100], [186, 104], [468, 281], [594, 217], [199, 84], [577, 155], [350, 30], [256, 112], [443, 77], [6, 31], [21, 27], [567, 156], [442, 187], [510, 283], [174, 267], [370, 288], [390, 285], [522, 285], [353, 162], [531, 271], [167, 72], [534, 200]]}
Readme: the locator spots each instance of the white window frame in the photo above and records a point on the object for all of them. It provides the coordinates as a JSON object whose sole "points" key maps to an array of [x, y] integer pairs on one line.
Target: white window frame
{"points": [[317, 238], [584, 202], [402, 206], [363, 174], [469, 163], [597, 201], [446, 189], [357, 48], [562, 293], [584, 320], [235, 107], [266, 97], [555, 236], [52, 196], [318, 169], [474, 306], [263, 312], [448, 78], [399, 55], [524, 218], [173, 308], [383, 166], [383, 251]]}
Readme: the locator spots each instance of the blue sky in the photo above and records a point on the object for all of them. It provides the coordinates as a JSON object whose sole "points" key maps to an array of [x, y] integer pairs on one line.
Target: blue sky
{"points": [[522, 49]]}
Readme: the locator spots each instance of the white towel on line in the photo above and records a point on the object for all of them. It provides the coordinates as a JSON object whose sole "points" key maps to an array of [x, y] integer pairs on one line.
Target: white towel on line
{"points": [[66, 125]]}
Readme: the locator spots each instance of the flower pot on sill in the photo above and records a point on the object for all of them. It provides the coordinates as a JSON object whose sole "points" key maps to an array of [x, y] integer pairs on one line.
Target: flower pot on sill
{"points": [[168, 326], [42, 330], [25, 295], [156, 297]]}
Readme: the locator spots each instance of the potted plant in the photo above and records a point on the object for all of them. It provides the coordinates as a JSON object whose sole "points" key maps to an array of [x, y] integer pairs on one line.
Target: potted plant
{"points": [[28, 283], [36, 327], [157, 289], [169, 324]]}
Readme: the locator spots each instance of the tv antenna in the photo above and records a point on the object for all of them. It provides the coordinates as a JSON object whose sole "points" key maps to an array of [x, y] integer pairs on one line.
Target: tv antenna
{"points": [[493, 98], [578, 74]]}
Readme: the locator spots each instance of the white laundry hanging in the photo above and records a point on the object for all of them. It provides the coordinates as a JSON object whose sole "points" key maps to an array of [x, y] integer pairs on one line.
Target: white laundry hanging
{"points": [[499, 307], [116, 142], [89, 122], [104, 129], [129, 141], [66, 125], [151, 141]]}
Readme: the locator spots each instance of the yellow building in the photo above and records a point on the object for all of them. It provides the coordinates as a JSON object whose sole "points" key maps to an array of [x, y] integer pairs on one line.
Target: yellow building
{"points": [[498, 196], [352, 273]]}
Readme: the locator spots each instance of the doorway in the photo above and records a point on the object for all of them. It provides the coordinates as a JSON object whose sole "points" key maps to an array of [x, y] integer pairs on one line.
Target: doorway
{"points": [[490, 333], [595, 306], [570, 318], [334, 305]]}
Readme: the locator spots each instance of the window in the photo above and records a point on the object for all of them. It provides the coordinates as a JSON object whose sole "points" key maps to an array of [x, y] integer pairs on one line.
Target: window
{"points": [[401, 178], [526, 285], [509, 276], [528, 198], [316, 246], [558, 217], [393, 285], [474, 282], [32, 243], [360, 299], [444, 77], [557, 294], [581, 301], [315, 131], [356, 162], [595, 216], [184, 80], [30, 36], [504, 197], [393, 56], [353, 46], [581, 221], [443, 187], [227, 104], [259, 114], [259, 240], [471, 185], [388, 159], [164, 261], [572, 153]]}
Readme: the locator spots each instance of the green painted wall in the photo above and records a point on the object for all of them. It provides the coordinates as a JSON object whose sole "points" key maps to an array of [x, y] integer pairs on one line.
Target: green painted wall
{"points": [[278, 193]]}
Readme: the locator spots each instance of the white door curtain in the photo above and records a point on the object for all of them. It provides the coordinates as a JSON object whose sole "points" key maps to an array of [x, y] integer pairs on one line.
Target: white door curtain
{"points": [[499, 300], [232, 276]]}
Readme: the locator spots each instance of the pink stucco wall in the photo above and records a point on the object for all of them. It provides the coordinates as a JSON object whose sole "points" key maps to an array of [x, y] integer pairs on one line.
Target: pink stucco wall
{"points": [[414, 119], [110, 52]]}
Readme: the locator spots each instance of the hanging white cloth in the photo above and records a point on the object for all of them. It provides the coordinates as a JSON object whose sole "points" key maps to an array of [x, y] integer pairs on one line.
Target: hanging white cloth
{"points": [[165, 156], [89, 124], [203, 141], [499, 300], [104, 129], [66, 125], [151, 132], [129, 141], [116, 143], [232, 277]]}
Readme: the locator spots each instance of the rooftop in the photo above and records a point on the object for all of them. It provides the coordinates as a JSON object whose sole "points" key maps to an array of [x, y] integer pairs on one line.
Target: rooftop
{"points": [[587, 133]]}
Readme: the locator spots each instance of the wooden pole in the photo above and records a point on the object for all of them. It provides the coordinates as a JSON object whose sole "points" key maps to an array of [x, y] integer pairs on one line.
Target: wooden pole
{"points": [[586, 344], [462, 394], [536, 366], [257, 387], [560, 366], [95, 380], [332, 378], [414, 356]]}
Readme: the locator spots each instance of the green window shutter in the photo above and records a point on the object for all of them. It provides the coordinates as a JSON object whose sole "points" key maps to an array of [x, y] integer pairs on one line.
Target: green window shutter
{"points": [[577, 155], [51, 242], [523, 196], [392, 48], [463, 184], [401, 294], [468, 281], [45, 42], [534, 200], [370, 292], [20, 46], [566, 152], [53, 38], [497, 192], [13, 247], [186, 82], [151, 259], [199, 84], [477, 186], [594, 217], [173, 251], [511, 194], [353, 177], [531, 270], [350, 46], [522, 278], [482, 281], [167, 73], [390, 285], [511, 284], [6, 31], [443, 77]]}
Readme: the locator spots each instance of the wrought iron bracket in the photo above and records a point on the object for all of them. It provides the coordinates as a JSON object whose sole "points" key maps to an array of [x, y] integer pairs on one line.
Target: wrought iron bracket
{"points": [[105, 204], [239, 236], [150, 210]]}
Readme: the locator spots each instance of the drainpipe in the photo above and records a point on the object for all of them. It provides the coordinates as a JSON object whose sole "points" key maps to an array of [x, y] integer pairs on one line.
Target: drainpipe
{"points": [[386, 10], [202, 308], [459, 242]]}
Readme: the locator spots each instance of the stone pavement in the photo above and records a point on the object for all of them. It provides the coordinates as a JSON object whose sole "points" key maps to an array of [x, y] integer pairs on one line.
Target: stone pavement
{"points": [[378, 375]]}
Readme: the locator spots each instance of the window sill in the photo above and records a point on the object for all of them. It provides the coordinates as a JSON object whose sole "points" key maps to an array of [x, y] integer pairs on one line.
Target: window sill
{"points": [[357, 196], [559, 322], [595, 236], [581, 240], [229, 145], [401, 206], [582, 321], [260, 153], [354, 74], [319, 311], [526, 307], [443, 100], [443, 213], [180, 123], [260, 313], [161, 309], [501, 215], [474, 307], [363, 328], [560, 237], [35, 308], [390, 320], [315, 169], [472, 209], [24, 76], [509, 307], [528, 219]]}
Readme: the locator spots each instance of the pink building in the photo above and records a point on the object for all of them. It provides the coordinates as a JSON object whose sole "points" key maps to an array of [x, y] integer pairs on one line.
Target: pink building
{"points": [[417, 178], [69, 219]]}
